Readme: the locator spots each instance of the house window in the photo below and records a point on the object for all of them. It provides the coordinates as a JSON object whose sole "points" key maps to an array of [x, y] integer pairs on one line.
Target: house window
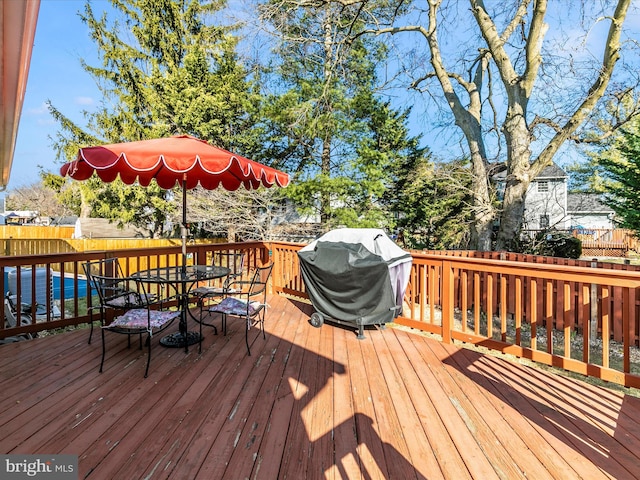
{"points": [[544, 221], [543, 186]]}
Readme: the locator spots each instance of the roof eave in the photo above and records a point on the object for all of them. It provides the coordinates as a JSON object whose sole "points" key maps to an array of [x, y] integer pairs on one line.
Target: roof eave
{"points": [[18, 27]]}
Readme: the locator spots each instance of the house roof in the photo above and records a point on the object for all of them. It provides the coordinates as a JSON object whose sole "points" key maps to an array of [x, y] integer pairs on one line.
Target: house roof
{"points": [[549, 172], [18, 27], [21, 214], [552, 171], [586, 203], [103, 228], [69, 220]]}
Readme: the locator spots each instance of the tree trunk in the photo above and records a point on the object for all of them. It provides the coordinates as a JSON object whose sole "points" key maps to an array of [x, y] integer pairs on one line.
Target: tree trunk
{"points": [[518, 176], [484, 213], [85, 207], [511, 216], [325, 202]]}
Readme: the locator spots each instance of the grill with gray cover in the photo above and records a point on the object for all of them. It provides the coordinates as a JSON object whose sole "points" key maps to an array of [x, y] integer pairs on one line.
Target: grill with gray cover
{"points": [[355, 276]]}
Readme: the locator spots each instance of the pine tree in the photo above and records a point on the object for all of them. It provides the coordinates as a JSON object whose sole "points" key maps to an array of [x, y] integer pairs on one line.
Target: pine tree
{"points": [[433, 203], [164, 72], [622, 174], [327, 124]]}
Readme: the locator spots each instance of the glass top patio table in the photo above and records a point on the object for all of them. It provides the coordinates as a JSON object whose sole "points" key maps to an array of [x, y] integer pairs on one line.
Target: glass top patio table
{"points": [[182, 278], [181, 274]]}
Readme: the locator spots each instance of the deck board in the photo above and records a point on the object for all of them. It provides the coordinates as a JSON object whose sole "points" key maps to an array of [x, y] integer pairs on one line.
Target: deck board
{"points": [[408, 398], [511, 425], [313, 403]]}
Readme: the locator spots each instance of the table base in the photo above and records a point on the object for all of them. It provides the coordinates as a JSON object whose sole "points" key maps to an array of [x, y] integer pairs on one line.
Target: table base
{"points": [[176, 339]]}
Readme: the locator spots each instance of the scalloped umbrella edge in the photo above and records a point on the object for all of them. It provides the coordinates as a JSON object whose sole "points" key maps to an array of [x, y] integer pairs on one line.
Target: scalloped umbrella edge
{"points": [[177, 160]]}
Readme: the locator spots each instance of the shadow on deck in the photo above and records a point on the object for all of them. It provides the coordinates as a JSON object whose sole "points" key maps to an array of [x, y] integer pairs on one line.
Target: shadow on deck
{"points": [[309, 403]]}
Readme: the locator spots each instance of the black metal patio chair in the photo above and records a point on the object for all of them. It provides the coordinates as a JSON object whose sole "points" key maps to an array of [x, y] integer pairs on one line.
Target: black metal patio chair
{"points": [[103, 277], [236, 263], [212, 293], [247, 302], [143, 311]]}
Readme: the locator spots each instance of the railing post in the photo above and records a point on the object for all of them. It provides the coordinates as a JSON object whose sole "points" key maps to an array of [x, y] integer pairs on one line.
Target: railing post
{"points": [[266, 253], [447, 289], [593, 323]]}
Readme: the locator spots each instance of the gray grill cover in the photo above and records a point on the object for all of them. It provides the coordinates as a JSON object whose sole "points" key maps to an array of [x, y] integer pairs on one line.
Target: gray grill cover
{"points": [[356, 275]]}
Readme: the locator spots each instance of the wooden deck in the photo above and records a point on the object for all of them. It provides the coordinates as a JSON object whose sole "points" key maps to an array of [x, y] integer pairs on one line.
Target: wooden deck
{"points": [[309, 403]]}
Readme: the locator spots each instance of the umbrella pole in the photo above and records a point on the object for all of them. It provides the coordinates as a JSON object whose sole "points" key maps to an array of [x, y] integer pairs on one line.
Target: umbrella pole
{"points": [[183, 297], [183, 227]]}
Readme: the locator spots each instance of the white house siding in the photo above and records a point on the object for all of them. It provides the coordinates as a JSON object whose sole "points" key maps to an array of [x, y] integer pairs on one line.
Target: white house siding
{"points": [[563, 210], [595, 221], [587, 211], [550, 203]]}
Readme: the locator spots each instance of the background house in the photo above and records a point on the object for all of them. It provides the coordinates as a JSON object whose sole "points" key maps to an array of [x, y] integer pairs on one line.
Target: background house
{"points": [[586, 211], [548, 204], [23, 217], [546, 201], [103, 228]]}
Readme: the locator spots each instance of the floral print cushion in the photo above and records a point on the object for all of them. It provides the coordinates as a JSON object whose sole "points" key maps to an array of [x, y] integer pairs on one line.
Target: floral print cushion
{"points": [[124, 301], [234, 306], [138, 318], [212, 290]]}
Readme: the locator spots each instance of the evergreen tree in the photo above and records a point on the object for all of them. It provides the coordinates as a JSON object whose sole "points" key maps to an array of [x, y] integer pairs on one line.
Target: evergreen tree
{"points": [[590, 176], [587, 177], [164, 72], [433, 203], [327, 124], [622, 170]]}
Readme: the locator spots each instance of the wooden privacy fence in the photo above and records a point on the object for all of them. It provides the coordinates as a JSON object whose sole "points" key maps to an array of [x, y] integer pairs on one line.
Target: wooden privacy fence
{"points": [[616, 242], [601, 242], [13, 247], [35, 231], [607, 243], [616, 235]]}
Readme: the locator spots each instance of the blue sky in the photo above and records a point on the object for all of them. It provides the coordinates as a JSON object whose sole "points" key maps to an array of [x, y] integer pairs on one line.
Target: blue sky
{"points": [[55, 74]]}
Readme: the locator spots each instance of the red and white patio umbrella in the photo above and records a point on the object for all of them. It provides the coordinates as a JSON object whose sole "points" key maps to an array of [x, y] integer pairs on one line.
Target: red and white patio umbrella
{"points": [[178, 160]]}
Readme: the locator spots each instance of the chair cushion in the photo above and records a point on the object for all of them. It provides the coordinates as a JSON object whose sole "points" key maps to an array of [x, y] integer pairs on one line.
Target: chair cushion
{"points": [[137, 318], [212, 291], [234, 306], [127, 300]]}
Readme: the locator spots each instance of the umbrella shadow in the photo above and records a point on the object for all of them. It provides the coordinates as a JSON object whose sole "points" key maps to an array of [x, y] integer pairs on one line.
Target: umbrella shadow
{"points": [[578, 416], [355, 442]]}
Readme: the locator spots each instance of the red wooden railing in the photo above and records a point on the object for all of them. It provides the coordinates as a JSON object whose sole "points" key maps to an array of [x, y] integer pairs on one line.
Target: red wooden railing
{"points": [[580, 316], [63, 275]]}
